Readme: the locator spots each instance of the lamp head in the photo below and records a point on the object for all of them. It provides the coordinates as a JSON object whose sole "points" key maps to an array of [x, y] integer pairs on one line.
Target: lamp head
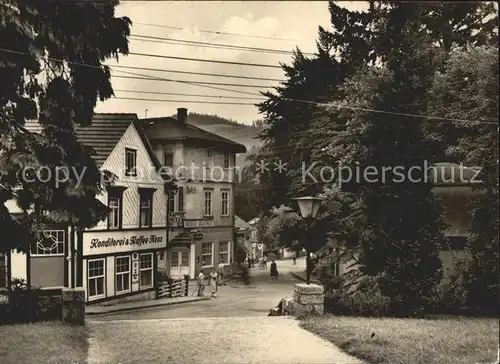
{"points": [[308, 206]]}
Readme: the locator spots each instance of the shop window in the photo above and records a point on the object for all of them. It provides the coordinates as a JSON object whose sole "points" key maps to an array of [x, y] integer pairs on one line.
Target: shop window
{"points": [[130, 162], [224, 252], [207, 256], [51, 243], [146, 270], [96, 278], [122, 274], [146, 207], [208, 202], [225, 203], [115, 204]]}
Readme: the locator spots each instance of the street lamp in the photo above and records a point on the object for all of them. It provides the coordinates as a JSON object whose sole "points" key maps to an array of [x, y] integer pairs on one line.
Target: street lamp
{"points": [[309, 207]]}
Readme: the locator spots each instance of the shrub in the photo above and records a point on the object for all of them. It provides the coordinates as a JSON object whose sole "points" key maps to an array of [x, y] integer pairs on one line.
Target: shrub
{"points": [[452, 293], [328, 278], [24, 304], [162, 276], [363, 300]]}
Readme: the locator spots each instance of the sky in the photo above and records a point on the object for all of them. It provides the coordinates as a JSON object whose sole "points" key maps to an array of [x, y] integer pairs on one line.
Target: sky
{"points": [[259, 25]]}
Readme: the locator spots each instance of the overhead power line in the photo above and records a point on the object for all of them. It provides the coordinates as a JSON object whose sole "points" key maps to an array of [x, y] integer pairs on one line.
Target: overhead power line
{"points": [[191, 95], [186, 101], [147, 78], [218, 32], [197, 73], [235, 47], [194, 84], [325, 104], [203, 60]]}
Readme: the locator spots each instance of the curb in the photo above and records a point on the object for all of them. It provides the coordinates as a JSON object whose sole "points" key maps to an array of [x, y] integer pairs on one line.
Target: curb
{"points": [[114, 310], [315, 281]]}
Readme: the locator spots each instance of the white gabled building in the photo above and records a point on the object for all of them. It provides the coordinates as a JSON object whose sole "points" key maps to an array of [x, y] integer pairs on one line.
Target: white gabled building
{"points": [[120, 256]]}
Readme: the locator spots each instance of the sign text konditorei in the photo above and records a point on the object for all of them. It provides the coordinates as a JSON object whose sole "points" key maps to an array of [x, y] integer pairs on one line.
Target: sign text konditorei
{"points": [[133, 240], [94, 244]]}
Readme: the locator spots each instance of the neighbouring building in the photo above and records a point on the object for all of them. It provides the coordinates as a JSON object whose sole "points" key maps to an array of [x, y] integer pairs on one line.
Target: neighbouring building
{"points": [[455, 195], [248, 238], [201, 211], [118, 258]]}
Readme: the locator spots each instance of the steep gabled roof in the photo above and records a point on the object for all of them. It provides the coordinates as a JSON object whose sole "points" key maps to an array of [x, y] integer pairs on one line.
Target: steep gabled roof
{"points": [[104, 134], [168, 128]]}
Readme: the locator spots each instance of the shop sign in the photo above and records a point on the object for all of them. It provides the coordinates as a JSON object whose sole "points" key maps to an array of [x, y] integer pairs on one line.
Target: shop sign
{"points": [[198, 223], [135, 269], [95, 243]]}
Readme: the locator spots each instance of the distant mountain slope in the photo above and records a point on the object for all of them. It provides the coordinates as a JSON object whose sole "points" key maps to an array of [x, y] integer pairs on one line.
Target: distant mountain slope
{"points": [[230, 129]]}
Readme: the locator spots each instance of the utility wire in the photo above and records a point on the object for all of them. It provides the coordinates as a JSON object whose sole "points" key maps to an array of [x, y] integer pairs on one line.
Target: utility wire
{"points": [[186, 101], [193, 84], [143, 37], [147, 78], [332, 105], [219, 33], [203, 60], [191, 95], [197, 73]]}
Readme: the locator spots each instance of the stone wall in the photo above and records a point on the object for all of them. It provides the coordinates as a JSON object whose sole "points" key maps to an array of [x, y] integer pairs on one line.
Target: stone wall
{"points": [[62, 304], [308, 299]]}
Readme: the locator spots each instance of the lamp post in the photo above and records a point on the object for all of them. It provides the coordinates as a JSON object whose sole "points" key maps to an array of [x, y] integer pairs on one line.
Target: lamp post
{"points": [[309, 207]]}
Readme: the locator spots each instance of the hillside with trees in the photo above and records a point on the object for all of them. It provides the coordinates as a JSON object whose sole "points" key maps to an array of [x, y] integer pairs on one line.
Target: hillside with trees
{"points": [[230, 129]]}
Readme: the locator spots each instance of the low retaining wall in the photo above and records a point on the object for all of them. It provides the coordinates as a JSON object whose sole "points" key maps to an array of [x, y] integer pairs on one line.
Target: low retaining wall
{"points": [[308, 299], [63, 304]]}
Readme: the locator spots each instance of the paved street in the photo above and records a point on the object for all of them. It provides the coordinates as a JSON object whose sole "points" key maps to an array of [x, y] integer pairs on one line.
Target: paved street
{"points": [[232, 300], [233, 328], [276, 340]]}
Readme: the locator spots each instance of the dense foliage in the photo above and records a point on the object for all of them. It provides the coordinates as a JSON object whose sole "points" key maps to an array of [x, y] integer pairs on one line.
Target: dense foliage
{"points": [[51, 66], [374, 70]]}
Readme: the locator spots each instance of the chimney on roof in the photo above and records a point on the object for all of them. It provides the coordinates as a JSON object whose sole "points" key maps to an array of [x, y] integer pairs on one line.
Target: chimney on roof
{"points": [[182, 115]]}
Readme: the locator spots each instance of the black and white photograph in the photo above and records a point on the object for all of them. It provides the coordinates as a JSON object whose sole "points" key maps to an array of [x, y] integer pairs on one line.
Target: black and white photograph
{"points": [[242, 182]]}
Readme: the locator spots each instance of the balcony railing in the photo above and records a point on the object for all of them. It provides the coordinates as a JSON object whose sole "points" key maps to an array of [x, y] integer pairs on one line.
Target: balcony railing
{"points": [[176, 219]]}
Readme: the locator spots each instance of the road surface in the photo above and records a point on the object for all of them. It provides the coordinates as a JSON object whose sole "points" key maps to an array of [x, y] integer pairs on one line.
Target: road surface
{"points": [[232, 328], [235, 299]]}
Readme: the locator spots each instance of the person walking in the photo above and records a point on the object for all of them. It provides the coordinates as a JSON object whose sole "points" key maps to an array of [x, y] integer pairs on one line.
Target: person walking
{"points": [[274, 270], [294, 258], [201, 285], [220, 272], [264, 262], [213, 282]]}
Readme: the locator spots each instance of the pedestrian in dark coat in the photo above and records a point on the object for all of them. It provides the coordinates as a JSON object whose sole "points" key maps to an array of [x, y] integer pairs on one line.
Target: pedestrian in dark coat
{"points": [[274, 270]]}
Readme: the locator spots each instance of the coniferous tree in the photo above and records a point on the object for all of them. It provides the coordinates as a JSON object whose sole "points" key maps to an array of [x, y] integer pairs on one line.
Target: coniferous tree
{"points": [[51, 66]]}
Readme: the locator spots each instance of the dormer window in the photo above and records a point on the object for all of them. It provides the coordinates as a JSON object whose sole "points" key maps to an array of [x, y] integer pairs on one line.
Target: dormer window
{"points": [[130, 162]]}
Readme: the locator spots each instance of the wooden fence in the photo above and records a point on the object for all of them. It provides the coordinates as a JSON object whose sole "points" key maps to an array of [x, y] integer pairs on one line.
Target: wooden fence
{"points": [[172, 288]]}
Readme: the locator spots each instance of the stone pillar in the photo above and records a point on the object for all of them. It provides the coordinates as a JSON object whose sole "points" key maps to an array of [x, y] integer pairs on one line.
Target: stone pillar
{"points": [[308, 299], [73, 305]]}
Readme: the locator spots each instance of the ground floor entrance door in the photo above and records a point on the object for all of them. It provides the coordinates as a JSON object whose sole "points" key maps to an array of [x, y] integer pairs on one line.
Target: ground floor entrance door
{"points": [[179, 263]]}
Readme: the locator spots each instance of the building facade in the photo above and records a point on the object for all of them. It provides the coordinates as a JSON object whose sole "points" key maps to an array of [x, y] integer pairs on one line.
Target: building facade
{"points": [[201, 211], [118, 258]]}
